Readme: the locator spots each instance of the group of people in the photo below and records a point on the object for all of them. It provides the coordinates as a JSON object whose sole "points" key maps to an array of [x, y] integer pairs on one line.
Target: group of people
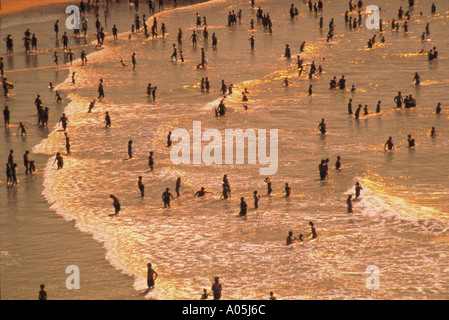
{"points": [[290, 240]]}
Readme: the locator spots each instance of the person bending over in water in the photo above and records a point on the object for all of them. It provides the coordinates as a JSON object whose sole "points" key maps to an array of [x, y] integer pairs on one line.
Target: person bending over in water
{"points": [[115, 203], [200, 193], [59, 160]]}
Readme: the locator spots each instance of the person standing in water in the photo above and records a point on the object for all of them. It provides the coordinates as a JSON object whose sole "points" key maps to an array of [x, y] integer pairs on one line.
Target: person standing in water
{"points": [[417, 79], [169, 140], [256, 199], [287, 190], [289, 239], [338, 163], [60, 160], [216, 289], [389, 144], [100, 90], [26, 161], [151, 276], [349, 203], [411, 141], [313, 231], [64, 121], [268, 182], [322, 126], [151, 160], [243, 207], [6, 116], [358, 188], [115, 203], [141, 187], [130, 149], [42, 292], [67, 143], [134, 61], [166, 197], [107, 120], [178, 186]]}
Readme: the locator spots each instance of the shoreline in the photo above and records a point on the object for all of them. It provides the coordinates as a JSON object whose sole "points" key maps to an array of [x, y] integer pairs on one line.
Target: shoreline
{"points": [[39, 244], [21, 5]]}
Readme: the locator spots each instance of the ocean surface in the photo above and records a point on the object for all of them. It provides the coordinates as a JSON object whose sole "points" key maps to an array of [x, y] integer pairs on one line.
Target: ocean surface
{"points": [[399, 224]]}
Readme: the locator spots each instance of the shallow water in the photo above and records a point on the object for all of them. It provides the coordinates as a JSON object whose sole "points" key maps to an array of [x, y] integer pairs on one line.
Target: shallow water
{"points": [[399, 224]]}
